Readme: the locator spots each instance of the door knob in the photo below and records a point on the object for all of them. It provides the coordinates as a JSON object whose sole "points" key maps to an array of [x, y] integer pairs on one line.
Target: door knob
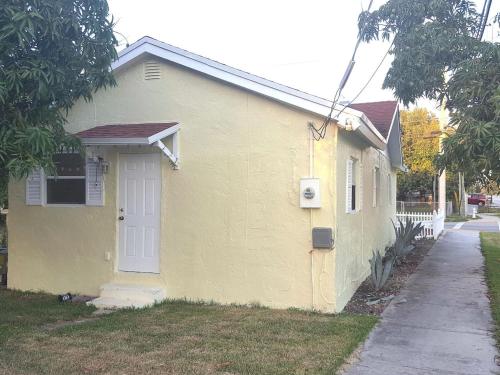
{"points": [[121, 218]]}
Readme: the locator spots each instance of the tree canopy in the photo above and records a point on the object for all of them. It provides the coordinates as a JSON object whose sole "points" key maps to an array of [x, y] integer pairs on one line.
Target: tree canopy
{"points": [[52, 52], [419, 142], [420, 147], [437, 55]]}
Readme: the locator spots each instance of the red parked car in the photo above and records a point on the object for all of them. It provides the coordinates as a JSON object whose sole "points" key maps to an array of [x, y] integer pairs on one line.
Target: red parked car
{"points": [[476, 198]]}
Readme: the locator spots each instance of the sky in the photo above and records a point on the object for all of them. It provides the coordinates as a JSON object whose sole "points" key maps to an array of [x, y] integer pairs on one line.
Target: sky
{"points": [[302, 44]]}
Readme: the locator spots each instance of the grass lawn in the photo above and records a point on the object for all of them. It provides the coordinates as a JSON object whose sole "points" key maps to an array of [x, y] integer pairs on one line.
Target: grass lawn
{"points": [[172, 338], [457, 218], [490, 244], [489, 210]]}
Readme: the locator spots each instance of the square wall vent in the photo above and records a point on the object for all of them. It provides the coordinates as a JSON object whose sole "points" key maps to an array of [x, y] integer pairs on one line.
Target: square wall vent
{"points": [[152, 70]]}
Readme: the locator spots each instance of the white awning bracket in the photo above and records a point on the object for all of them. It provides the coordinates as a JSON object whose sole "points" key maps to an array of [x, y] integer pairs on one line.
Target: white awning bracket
{"points": [[172, 155]]}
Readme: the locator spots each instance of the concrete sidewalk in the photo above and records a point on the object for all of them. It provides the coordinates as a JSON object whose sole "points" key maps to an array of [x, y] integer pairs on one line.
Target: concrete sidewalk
{"points": [[442, 323], [487, 223]]}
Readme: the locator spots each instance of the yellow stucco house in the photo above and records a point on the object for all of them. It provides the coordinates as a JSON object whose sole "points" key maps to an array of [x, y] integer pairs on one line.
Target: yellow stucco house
{"points": [[205, 182]]}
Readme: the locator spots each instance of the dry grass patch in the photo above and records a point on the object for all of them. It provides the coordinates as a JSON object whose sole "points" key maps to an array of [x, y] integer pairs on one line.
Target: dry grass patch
{"points": [[178, 338]]}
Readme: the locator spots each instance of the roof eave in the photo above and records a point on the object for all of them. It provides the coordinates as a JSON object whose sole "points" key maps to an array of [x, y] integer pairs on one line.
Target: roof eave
{"points": [[371, 136]]}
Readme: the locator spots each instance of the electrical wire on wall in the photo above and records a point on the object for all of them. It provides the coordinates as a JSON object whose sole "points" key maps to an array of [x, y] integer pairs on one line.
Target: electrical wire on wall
{"points": [[319, 287]]}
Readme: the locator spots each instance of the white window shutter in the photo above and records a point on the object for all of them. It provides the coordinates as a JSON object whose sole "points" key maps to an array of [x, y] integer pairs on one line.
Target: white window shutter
{"points": [[374, 182], [34, 187], [348, 189], [95, 183], [389, 188], [359, 189]]}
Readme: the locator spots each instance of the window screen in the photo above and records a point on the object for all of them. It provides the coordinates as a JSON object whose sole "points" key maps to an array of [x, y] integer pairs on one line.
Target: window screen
{"points": [[353, 200], [68, 187]]}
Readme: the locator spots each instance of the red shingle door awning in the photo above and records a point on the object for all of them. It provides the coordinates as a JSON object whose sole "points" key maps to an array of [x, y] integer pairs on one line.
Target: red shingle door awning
{"points": [[134, 134]]}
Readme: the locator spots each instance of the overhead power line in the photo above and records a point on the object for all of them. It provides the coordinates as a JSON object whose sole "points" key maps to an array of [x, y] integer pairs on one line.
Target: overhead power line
{"points": [[367, 82], [321, 132], [484, 18]]}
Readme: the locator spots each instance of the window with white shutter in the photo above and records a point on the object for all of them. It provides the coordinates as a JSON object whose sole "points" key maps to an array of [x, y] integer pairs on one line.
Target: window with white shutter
{"points": [[34, 187], [375, 184], [348, 198], [359, 184], [389, 188], [352, 198], [79, 181]]}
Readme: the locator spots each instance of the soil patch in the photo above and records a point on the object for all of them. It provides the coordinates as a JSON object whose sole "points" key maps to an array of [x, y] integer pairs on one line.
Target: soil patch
{"points": [[367, 301]]}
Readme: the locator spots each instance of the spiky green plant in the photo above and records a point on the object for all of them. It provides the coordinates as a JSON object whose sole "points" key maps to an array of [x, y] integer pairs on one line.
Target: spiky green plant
{"points": [[381, 269], [405, 233]]}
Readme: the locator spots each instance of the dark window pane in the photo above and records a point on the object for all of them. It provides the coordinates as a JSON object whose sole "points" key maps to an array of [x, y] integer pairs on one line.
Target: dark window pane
{"points": [[69, 164], [64, 191], [353, 200]]}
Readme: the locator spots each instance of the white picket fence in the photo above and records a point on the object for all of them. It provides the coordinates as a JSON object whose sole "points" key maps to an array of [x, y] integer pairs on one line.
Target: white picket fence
{"points": [[433, 223]]}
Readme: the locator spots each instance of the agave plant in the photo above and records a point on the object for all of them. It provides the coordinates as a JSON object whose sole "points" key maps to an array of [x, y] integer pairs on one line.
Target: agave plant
{"points": [[381, 269], [405, 234]]}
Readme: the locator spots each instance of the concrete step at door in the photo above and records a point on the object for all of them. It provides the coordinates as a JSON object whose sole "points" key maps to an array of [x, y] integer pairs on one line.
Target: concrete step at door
{"points": [[115, 295]]}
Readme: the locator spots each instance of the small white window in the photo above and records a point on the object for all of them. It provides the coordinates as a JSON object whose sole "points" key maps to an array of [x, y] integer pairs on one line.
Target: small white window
{"points": [[389, 188], [351, 178], [375, 185], [68, 186]]}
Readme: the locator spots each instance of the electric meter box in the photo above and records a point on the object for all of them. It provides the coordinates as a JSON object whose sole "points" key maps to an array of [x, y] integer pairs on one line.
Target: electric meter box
{"points": [[309, 193]]}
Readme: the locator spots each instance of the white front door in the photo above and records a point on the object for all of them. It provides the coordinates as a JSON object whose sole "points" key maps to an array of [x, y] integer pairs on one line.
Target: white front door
{"points": [[139, 212]]}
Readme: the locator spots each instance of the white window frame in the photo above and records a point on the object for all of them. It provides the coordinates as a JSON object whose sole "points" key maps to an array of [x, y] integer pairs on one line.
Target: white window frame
{"points": [[389, 188], [61, 177], [352, 165], [375, 186]]}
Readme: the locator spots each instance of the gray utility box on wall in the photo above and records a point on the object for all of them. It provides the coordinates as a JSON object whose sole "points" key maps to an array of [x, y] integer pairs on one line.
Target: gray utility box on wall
{"points": [[322, 238]]}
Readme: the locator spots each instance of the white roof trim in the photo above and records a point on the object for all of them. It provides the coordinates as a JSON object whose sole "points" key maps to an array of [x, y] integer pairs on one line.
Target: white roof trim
{"points": [[164, 133], [259, 85], [396, 111], [122, 141], [399, 163]]}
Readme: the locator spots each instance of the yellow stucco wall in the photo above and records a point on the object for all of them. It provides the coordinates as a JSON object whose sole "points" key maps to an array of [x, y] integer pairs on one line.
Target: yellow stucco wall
{"points": [[360, 233], [232, 229]]}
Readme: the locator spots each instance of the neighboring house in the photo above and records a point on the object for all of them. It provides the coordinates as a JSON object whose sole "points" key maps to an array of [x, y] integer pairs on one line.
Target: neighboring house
{"points": [[192, 188]]}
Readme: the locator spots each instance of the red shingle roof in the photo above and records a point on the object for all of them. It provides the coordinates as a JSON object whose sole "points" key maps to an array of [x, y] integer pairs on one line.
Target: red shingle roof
{"points": [[125, 130], [379, 113]]}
